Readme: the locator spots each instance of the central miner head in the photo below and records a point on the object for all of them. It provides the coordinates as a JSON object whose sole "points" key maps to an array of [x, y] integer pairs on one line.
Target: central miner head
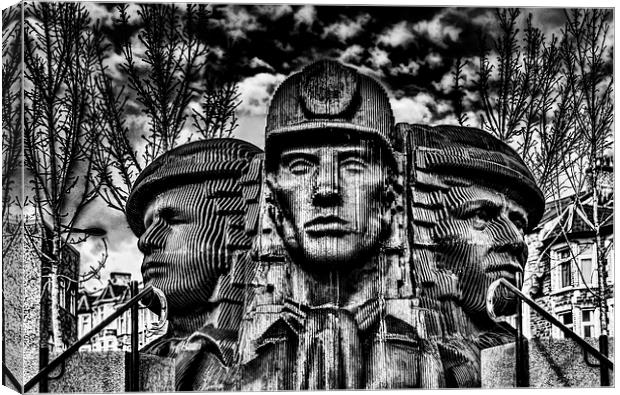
{"points": [[328, 162]]}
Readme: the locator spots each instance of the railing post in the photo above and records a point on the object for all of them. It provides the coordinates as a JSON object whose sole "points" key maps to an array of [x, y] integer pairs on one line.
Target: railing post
{"points": [[135, 342], [603, 346], [521, 358], [44, 356]]}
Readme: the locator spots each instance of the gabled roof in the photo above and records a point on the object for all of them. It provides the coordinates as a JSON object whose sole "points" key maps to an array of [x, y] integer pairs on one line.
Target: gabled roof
{"points": [[573, 215], [112, 293], [86, 299]]}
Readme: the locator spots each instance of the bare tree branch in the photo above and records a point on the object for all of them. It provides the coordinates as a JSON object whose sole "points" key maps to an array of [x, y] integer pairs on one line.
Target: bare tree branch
{"points": [[61, 132]]}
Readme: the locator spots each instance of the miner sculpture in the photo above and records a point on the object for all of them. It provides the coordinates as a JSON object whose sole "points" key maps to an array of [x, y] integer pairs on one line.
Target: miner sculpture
{"points": [[373, 247], [472, 200], [330, 303], [187, 209]]}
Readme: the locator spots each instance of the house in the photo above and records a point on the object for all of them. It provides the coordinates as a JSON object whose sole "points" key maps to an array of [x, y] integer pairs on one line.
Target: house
{"points": [[94, 307], [26, 295], [562, 272]]}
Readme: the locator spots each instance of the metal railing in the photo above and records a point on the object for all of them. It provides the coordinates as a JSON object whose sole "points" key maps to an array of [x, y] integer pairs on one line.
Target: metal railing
{"points": [[522, 370], [134, 363]]}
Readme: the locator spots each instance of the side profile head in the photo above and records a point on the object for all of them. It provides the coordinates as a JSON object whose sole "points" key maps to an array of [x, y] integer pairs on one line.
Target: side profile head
{"points": [[328, 162], [490, 199], [173, 209]]}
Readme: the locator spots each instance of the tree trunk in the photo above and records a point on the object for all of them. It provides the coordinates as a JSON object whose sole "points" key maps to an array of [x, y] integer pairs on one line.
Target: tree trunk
{"points": [[54, 305], [601, 259]]}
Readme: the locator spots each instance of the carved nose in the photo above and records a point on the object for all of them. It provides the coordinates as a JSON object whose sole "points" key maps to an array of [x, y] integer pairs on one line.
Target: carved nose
{"points": [[326, 188], [153, 237], [509, 239]]}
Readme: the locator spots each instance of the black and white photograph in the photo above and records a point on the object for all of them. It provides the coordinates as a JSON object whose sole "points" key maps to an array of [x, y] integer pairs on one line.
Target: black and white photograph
{"points": [[289, 197]]}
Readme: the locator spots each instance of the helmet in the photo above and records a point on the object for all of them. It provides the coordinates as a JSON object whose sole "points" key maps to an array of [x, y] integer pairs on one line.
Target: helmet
{"points": [[189, 163], [474, 153], [329, 95]]}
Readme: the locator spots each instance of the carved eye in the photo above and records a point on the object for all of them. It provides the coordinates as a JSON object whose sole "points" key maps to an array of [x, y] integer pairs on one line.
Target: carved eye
{"points": [[482, 216], [353, 165], [171, 216], [519, 221], [300, 166]]}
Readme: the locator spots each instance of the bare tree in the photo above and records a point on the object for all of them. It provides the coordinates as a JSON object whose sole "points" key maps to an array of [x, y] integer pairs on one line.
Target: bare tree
{"points": [[458, 91], [588, 64], [162, 82], [217, 117], [94, 272], [61, 132], [553, 101], [11, 105], [525, 98]]}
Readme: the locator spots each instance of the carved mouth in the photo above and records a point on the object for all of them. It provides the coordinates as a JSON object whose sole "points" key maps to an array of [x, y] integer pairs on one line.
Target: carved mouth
{"points": [[152, 266], [329, 225]]}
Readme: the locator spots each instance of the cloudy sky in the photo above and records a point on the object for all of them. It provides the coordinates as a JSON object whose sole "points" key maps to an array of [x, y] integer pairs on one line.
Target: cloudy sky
{"points": [[410, 49]]}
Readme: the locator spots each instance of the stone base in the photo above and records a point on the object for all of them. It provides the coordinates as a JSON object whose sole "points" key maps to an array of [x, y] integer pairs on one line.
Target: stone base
{"points": [[552, 363], [106, 371]]}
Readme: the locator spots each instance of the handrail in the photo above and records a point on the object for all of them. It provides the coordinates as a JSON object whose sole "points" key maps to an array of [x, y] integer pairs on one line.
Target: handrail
{"points": [[84, 339], [7, 372], [548, 316]]}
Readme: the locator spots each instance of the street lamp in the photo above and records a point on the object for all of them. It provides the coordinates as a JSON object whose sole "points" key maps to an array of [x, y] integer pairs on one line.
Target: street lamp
{"points": [[92, 231]]}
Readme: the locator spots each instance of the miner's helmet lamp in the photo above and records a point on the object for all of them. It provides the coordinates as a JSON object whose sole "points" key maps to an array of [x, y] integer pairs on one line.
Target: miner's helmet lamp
{"points": [[186, 164], [327, 100], [474, 153]]}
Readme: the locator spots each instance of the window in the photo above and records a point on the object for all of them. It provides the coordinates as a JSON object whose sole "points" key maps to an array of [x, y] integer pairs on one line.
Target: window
{"points": [[62, 296], [85, 326], [587, 323], [586, 271], [563, 254], [566, 279], [72, 301], [566, 319], [610, 263]]}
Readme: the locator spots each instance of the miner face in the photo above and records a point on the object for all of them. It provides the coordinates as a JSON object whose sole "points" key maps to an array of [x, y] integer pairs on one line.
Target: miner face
{"points": [[331, 196], [183, 245], [481, 240]]}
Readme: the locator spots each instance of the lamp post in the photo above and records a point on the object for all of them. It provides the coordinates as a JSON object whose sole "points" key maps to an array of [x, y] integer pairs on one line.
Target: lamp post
{"points": [[45, 350], [92, 231]]}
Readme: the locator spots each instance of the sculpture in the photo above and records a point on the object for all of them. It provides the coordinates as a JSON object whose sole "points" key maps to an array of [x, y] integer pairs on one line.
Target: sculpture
{"points": [[373, 248], [472, 198], [187, 209], [333, 305], [330, 299]]}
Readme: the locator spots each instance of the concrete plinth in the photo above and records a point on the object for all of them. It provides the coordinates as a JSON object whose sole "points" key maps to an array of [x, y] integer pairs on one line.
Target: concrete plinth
{"points": [[552, 363], [107, 371]]}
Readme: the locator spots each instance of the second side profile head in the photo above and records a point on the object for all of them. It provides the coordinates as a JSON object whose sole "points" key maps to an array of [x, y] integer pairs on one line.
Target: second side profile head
{"points": [[174, 210], [490, 200]]}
